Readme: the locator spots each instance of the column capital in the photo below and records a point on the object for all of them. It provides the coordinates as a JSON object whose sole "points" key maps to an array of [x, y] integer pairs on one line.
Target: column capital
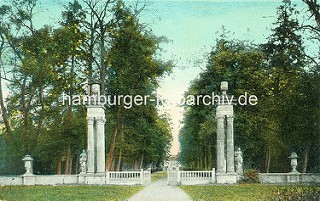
{"points": [[220, 119], [90, 120], [229, 119], [101, 120]]}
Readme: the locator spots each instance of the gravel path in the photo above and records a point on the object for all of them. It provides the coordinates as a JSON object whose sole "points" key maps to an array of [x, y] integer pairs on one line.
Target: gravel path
{"points": [[160, 191]]}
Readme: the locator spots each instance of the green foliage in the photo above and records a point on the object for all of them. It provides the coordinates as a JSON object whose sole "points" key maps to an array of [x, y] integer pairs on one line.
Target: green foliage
{"points": [[159, 175], [47, 62], [286, 117], [238, 192], [251, 176], [241, 65], [134, 70], [295, 194], [67, 192]]}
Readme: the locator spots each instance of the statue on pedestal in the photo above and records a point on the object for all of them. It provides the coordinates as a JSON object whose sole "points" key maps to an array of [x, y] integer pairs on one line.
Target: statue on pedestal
{"points": [[83, 162], [238, 160]]}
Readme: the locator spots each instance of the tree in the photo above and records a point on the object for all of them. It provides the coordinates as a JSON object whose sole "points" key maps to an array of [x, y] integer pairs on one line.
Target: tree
{"points": [[287, 63], [133, 68]]}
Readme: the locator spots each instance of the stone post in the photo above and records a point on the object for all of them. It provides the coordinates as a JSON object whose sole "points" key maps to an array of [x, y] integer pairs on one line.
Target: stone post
{"points": [[178, 174], [230, 146], [294, 162], [220, 145], [91, 149], [101, 153], [141, 177], [213, 179], [28, 164], [28, 178], [107, 177]]}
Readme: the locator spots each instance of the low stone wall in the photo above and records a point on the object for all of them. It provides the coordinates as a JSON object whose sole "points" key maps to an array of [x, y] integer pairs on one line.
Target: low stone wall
{"points": [[289, 178], [177, 176], [110, 178], [196, 177], [56, 179], [11, 180]]}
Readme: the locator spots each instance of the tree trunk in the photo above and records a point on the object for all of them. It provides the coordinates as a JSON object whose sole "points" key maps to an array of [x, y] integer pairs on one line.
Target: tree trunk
{"points": [[71, 88], [3, 109], [305, 157], [205, 158], [210, 159], [66, 168], [314, 9], [113, 164], [141, 162], [136, 165], [120, 152], [113, 140], [77, 164], [90, 60], [59, 164], [25, 115], [41, 114], [119, 162], [267, 161], [102, 58], [70, 164]]}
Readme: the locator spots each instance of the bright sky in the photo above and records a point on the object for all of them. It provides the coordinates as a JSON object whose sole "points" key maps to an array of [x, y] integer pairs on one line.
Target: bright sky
{"points": [[192, 26]]}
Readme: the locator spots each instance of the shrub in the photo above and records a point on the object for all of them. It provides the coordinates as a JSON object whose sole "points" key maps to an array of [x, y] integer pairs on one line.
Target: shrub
{"points": [[251, 176], [294, 194]]}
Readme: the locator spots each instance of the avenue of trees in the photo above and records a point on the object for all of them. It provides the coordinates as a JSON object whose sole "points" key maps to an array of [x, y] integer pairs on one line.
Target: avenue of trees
{"points": [[287, 83], [94, 42]]}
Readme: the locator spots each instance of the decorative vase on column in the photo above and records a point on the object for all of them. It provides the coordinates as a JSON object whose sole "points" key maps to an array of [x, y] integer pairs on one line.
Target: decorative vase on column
{"points": [[28, 164], [294, 162]]}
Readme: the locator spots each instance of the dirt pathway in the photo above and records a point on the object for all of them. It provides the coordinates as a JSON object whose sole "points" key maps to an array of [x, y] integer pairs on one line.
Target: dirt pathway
{"points": [[160, 191]]}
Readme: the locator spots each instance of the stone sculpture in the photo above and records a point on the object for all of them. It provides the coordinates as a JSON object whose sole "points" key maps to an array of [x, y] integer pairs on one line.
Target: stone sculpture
{"points": [[238, 161], [294, 162], [28, 164], [83, 162]]}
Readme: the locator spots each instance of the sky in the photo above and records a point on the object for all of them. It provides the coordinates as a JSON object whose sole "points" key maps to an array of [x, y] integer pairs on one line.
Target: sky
{"points": [[192, 27]]}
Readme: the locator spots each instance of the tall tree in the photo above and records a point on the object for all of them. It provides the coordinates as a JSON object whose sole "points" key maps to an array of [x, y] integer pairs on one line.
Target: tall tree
{"points": [[132, 64]]}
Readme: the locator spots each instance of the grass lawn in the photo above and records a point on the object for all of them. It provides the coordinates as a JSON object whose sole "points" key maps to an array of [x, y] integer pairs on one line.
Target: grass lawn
{"points": [[67, 192], [159, 175], [237, 192]]}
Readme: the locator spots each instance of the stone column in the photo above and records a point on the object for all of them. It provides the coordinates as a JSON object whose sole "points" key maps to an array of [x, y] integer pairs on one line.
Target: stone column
{"points": [[91, 155], [101, 152], [220, 145], [230, 146]]}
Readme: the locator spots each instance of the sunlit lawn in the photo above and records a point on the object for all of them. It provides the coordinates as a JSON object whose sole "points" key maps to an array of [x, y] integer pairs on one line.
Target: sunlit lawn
{"points": [[67, 192], [159, 175], [236, 192]]}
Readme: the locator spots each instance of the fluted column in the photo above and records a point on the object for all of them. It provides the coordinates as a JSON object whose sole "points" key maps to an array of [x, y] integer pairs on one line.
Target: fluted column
{"points": [[101, 152], [91, 155], [230, 146], [220, 145]]}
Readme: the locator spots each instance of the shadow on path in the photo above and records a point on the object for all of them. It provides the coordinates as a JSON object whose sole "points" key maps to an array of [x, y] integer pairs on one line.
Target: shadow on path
{"points": [[160, 191]]}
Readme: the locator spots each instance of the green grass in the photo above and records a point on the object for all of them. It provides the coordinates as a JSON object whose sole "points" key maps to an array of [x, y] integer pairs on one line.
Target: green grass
{"points": [[236, 192], [26, 193], [159, 175]]}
